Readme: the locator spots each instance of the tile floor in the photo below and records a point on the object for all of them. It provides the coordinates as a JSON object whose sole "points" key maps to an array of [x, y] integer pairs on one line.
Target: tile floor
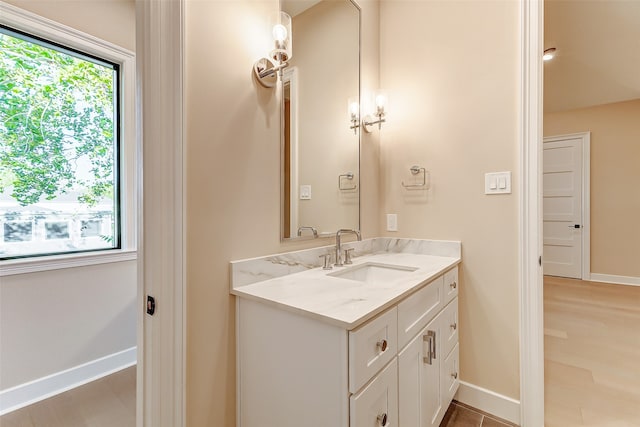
{"points": [[461, 415]]}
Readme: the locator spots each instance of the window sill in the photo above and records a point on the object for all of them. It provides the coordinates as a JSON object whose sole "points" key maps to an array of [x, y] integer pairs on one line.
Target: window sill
{"points": [[56, 262]]}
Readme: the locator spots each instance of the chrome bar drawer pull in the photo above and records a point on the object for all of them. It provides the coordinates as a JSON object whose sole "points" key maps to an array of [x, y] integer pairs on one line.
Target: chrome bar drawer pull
{"points": [[430, 352]]}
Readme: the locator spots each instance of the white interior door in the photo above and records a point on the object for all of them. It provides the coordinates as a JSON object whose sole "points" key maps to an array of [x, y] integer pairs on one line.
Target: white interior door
{"points": [[562, 206]]}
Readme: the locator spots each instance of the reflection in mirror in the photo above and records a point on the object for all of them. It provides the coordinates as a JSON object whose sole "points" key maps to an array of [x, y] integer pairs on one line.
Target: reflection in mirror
{"points": [[320, 152]]}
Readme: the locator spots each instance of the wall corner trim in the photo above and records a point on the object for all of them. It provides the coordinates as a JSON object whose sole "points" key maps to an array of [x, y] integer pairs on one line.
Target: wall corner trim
{"points": [[489, 401], [25, 394]]}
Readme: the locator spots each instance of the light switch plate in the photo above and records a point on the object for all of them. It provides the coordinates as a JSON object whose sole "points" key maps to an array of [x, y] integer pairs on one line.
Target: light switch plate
{"points": [[305, 192], [392, 222], [497, 183]]}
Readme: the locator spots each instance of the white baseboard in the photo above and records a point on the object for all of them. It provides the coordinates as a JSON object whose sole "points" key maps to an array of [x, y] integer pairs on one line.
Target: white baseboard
{"points": [[42, 388], [618, 280], [489, 401]]}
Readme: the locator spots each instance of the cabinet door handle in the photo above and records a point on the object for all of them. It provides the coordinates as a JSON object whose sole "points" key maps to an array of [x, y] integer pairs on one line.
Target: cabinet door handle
{"points": [[454, 375], [382, 345], [435, 354], [453, 285], [382, 419], [430, 339], [454, 326]]}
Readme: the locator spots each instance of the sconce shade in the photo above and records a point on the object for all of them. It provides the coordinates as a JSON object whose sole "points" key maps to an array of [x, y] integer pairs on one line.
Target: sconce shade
{"points": [[268, 71], [380, 101], [353, 110], [282, 37]]}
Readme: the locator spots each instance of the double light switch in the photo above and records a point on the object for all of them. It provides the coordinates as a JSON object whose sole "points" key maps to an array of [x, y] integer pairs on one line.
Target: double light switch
{"points": [[497, 183]]}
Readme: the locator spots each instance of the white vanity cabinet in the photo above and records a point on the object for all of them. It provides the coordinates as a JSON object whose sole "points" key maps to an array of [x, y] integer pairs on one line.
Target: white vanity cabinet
{"points": [[398, 368]]}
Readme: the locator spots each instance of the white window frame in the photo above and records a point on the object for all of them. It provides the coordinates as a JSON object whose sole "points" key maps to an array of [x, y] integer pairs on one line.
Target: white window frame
{"points": [[46, 29]]}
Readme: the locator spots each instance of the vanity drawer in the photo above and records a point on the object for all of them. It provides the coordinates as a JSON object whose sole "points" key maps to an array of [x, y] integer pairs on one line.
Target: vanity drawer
{"points": [[451, 374], [417, 310], [451, 284], [372, 346], [377, 403], [449, 329]]}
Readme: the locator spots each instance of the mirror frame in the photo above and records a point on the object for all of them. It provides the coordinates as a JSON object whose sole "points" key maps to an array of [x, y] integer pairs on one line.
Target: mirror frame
{"points": [[280, 97]]}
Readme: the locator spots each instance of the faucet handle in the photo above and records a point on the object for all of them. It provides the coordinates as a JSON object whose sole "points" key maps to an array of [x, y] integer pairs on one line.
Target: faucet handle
{"points": [[347, 256], [327, 261]]}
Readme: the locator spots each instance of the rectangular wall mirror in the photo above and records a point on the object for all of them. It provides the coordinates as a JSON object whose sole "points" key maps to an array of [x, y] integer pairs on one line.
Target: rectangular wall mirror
{"points": [[320, 152]]}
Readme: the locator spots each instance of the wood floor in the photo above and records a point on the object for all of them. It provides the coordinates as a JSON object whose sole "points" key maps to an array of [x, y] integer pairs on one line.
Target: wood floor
{"points": [[592, 354], [107, 402]]}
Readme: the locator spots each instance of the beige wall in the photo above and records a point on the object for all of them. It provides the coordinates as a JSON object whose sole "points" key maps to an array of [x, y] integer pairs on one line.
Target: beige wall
{"points": [[615, 181], [56, 320], [327, 147], [232, 184], [111, 20], [451, 69]]}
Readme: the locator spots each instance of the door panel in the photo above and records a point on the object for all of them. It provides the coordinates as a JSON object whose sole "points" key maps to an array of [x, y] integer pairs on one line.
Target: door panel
{"points": [[419, 380], [562, 207]]}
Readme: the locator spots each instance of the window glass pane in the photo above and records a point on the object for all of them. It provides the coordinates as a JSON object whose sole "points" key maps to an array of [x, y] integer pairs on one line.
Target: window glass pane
{"points": [[18, 231], [59, 190], [91, 228], [57, 230]]}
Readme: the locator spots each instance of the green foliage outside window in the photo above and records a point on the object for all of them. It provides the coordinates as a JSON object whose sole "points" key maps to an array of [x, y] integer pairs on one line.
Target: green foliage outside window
{"points": [[56, 124]]}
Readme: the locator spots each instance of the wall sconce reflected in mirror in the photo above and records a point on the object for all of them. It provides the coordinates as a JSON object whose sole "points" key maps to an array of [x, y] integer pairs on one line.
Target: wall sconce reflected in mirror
{"points": [[353, 108], [380, 103], [268, 71]]}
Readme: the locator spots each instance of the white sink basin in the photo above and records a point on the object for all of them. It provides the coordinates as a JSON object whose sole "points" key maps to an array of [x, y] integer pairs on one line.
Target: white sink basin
{"points": [[373, 272]]}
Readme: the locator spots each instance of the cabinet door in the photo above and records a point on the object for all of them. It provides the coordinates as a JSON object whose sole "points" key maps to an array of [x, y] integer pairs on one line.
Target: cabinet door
{"points": [[419, 379], [377, 403]]}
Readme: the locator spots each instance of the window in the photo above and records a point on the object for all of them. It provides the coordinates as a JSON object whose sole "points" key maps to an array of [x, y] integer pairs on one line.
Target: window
{"points": [[60, 148]]}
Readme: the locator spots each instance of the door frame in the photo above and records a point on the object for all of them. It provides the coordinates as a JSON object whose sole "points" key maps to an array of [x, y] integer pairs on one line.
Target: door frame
{"points": [[530, 223], [161, 270], [585, 139], [170, 37]]}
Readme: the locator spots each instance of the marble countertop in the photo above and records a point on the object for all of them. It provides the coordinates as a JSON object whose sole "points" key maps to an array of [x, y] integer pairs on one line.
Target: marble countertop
{"points": [[344, 302]]}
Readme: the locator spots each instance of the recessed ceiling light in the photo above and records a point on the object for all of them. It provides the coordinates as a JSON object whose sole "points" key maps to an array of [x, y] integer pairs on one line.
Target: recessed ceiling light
{"points": [[549, 53]]}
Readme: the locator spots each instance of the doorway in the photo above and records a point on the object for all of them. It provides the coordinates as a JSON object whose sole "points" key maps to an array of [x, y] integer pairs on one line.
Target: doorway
{"points": [[588, 358]]}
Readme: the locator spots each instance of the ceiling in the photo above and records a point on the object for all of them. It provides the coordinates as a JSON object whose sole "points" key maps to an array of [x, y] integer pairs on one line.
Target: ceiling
{"points": [[296, 7], [598, 53]]}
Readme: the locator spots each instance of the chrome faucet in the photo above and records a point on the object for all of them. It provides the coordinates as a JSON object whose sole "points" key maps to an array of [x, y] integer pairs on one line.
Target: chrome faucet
{"points": [[313, 230], [338, 248]]}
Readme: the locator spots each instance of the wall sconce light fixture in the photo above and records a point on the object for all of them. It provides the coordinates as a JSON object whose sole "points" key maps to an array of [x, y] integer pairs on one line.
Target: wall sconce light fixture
{"points": [[380, 103], [269, 70], [354, 114]]}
